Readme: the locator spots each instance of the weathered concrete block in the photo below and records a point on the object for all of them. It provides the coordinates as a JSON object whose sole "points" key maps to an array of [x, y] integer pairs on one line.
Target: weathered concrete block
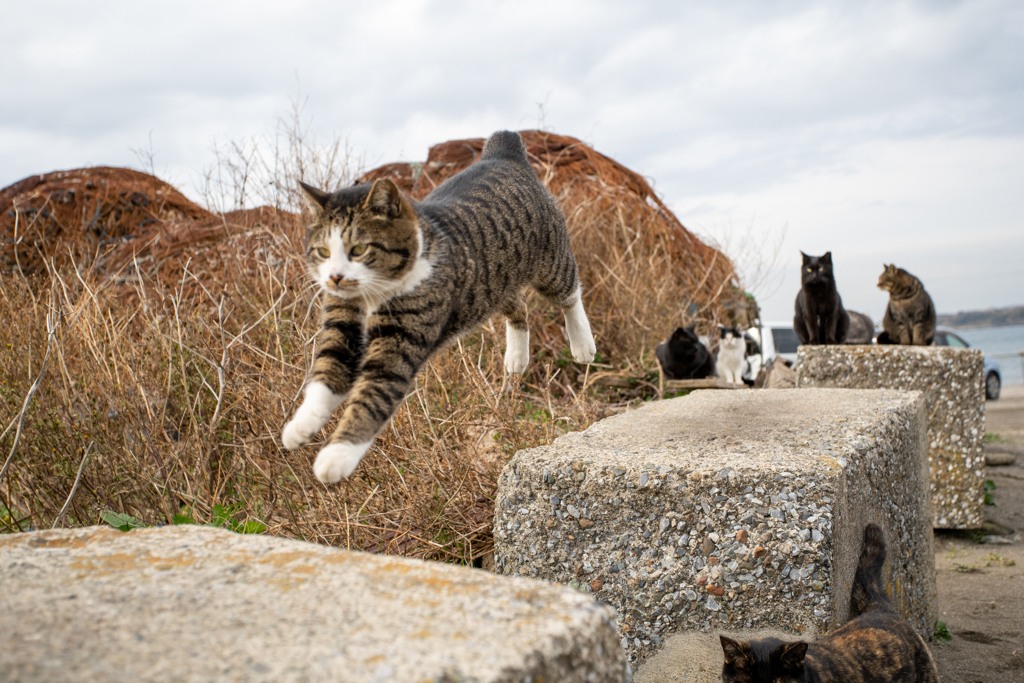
{"points": [[201, 604], [726, 510], [953, 384]]}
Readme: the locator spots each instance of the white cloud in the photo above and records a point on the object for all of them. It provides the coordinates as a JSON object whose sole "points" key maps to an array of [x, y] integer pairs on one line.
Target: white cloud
{"points": [[867, 127]]}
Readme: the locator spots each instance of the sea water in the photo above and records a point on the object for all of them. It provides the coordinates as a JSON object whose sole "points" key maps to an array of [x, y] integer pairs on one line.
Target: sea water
{"points": [[998, 343]]}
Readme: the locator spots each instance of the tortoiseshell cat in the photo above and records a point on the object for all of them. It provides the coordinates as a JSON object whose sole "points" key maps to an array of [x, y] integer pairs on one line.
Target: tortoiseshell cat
{"points": [[820, 317], [876, 646], [401, 280], [910, 316], [683, 356]]}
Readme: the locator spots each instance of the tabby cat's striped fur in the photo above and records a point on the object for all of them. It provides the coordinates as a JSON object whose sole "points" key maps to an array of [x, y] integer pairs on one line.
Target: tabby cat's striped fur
{"points": [[400, 280]]}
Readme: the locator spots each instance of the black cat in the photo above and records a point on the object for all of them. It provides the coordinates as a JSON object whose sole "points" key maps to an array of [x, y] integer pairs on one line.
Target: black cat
{"points": [[820, 317], [682, 356], [876, 646]]}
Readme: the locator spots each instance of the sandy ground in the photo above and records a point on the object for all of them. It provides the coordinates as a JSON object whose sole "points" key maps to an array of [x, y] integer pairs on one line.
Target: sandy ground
{"points": [[981, 586]]}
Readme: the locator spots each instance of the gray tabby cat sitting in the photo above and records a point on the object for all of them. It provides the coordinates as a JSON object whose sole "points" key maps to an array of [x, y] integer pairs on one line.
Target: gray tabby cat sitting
{"points": [[401, 280], [910, 316]]}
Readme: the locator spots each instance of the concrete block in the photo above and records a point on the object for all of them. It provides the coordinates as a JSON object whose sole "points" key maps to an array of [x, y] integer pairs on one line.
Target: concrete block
{"points": [[726, 510], [191, 603], [953, 384]]}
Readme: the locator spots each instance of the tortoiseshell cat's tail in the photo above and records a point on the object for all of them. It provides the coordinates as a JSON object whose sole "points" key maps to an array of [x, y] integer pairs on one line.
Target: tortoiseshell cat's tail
{"points": [[869, 593]]}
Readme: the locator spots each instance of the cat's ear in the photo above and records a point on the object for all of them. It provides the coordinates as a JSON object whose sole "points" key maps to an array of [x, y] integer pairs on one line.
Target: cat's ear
{"points": [[806, 257], [315, 199], [735, 652], [827, 258], [384, 198], [791, 656], [692, 328]]}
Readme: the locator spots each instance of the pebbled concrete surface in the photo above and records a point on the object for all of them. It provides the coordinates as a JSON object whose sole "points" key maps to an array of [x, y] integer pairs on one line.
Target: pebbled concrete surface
{"points": [[952, 381], [202, 604], [726, 510]]}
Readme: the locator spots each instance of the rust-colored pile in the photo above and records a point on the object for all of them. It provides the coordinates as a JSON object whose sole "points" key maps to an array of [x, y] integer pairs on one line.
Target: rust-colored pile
{"points": [[643, 272], [125, 223], [86, 211]]}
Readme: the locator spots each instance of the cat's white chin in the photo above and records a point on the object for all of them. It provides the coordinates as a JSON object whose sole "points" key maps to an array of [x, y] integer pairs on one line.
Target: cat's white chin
{"points": [[346, 293], [339, 460]]}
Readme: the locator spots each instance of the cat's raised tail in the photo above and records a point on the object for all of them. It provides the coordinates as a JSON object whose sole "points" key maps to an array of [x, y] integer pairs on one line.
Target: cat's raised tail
{"points": [[504, 144], [869, 593]]}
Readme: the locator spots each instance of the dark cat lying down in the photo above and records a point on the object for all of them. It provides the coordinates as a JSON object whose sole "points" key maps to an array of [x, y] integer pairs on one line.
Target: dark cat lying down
{"points": [[876, 646], [682, 356]]}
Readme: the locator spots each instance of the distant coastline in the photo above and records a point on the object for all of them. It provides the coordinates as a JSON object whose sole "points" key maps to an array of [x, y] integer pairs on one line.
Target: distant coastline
{"points": [[994, 317]]}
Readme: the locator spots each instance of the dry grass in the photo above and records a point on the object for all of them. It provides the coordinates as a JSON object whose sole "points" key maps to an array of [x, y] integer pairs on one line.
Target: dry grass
{"points": [[180, 396], [152, 376]]}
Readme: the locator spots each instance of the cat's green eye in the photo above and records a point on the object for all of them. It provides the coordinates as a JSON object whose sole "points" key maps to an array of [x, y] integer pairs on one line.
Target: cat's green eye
{"points": [[359, 250], [810, 270], [324, 252]]}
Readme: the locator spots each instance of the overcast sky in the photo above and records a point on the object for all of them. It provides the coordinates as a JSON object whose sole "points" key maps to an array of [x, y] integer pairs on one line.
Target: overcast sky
{"points": [[884, 132]]}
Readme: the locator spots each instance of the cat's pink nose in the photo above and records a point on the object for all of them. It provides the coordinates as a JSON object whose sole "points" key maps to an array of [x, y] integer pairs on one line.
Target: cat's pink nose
{"points": [[336, 279]]}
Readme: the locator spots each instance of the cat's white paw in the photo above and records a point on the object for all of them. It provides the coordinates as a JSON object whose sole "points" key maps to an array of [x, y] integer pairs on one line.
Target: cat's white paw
{"points": [[338, 461], [517, 350], [581, 339], [584, 351], [311, 416], [296, 434]]}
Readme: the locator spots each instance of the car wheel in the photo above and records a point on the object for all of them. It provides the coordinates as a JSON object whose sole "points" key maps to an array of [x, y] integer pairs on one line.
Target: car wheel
{"points": [[992, 386]]}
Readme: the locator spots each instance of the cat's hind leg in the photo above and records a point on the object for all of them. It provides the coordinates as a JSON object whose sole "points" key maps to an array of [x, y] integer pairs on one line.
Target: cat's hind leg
{"points": [[577, 327], [517, 335], [581, 339]]}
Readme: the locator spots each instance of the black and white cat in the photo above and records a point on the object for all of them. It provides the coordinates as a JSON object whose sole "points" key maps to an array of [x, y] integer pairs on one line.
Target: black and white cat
{"points": [[731, 361]]}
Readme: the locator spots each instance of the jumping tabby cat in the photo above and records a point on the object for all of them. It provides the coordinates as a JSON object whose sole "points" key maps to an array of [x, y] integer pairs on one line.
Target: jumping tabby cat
{"points": [[401, 280], [910, 316], [876, 646]]}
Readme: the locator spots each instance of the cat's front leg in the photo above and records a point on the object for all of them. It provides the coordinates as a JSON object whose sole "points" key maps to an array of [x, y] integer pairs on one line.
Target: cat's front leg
{"points": [[830, 328], [394, 354], [318, 404], [920, 337], [334, 369]]}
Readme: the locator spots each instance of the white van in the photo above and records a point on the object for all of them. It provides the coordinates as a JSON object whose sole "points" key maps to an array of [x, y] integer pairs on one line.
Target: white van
{"points": [[776, 339]]}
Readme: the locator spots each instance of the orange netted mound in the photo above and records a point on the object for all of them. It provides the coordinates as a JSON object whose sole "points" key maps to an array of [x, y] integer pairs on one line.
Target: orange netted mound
{"points": [[87, 210], [118, 221], [643, 272]]}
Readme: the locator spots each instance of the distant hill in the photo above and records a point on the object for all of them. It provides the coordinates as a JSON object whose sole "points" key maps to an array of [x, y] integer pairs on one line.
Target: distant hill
{"points": [[994, 317]]}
